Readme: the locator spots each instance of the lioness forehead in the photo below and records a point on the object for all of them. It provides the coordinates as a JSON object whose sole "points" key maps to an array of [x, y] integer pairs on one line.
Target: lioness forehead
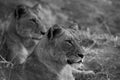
{"points": [[68, 34]]}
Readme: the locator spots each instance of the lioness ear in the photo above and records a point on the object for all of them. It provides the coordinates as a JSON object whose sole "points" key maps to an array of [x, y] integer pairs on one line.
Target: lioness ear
{"points": [[54, 31], [19, 11]]}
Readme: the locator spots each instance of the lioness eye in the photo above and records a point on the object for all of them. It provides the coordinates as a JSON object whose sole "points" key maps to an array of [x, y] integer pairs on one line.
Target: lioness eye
{"points": [[69, 42], [68, 45], [33, 20]]}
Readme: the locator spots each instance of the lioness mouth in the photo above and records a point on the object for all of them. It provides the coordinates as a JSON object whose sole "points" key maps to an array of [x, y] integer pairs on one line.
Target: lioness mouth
{"points": [[73, 62]]}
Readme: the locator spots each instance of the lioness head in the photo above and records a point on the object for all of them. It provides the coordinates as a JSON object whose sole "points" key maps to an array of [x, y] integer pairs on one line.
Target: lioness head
{"points": [[28, 25], [58, 48]]}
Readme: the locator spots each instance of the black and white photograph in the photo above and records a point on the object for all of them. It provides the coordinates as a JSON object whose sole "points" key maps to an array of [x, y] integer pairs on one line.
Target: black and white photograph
{"points": [[59, 39]]}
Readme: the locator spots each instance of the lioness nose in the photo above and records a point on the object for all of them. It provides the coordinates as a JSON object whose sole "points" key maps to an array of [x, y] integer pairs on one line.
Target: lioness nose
{"points": [[81, 55]]}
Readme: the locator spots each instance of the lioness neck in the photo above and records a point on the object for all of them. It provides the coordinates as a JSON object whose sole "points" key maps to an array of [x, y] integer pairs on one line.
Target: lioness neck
{"points": [[53, 66]]}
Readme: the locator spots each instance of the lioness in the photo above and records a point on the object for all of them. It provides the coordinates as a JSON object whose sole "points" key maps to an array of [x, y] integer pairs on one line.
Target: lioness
{"points": [[56, 52], [22, 34]]}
